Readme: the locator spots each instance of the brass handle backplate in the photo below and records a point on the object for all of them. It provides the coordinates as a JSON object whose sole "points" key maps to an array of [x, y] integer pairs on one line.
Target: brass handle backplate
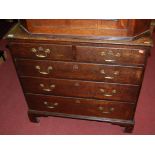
{"points": [[108, 76], [40, 52], [102, 109], [110, 53], [47, 89], [50, 105], [106, 94], [44, 72]]}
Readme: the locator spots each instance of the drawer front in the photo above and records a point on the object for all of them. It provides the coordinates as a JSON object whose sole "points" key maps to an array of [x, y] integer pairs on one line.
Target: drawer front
{"points": [[110, 55], [127, 93], [76, 88], [78, 106], [57, 87], [42, 51], [83, 71]]}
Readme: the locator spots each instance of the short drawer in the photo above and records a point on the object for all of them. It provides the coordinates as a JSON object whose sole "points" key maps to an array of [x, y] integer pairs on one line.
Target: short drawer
{"points": [[42, 51], [111, 55], [77, 88], [83, 71], [78, 106]]}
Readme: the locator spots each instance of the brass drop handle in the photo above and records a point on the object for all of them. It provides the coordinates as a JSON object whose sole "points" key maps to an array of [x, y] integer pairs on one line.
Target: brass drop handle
{"points": [[106, 112], [51, 105], [108, 95], [109, 60], [40, 49], [109, 77], [43, 72], [47, 89]]}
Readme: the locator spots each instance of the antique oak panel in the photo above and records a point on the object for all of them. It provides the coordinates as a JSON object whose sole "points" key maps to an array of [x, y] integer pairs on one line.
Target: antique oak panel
{"points": [[79, 106], [76, 88], [83, 71], [112, 29], [111, 55], [42, 51]]}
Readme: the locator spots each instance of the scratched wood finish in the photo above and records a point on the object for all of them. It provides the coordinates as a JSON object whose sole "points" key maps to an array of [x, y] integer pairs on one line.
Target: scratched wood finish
{"points": [[79, 106]]}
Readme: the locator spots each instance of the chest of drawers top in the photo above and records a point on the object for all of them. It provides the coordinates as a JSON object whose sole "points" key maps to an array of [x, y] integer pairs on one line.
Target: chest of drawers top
{"points": [[20, 35]]}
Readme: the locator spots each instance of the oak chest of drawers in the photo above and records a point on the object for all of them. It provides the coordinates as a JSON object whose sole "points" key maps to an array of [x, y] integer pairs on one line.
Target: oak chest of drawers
{"points": [[80, 78]]}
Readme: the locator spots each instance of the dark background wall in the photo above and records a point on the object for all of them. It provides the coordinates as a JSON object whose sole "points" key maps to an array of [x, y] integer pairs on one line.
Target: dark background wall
{"points": [[5, 25]]}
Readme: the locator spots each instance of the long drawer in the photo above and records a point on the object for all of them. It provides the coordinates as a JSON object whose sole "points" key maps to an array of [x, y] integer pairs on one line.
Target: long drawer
{"points": [[78, 106], [110, 55], [83, 71], [42, 51], [77, 88]]}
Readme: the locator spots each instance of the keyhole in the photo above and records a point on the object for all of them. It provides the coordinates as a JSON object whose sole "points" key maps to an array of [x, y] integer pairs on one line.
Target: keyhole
{"points": [[75, 67]]}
